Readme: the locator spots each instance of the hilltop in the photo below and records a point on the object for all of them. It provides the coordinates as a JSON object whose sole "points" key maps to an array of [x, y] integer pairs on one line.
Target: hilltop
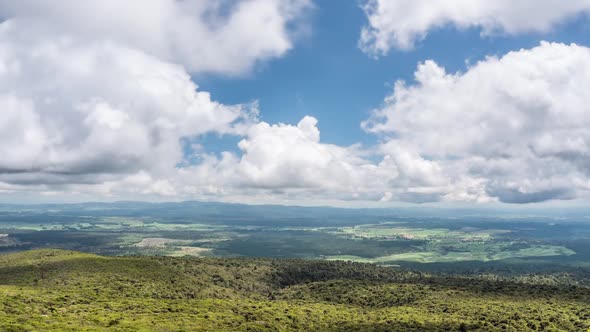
{"points": [[72, 291]]}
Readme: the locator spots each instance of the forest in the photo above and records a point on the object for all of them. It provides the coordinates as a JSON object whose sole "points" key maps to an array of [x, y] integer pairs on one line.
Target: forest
{"points": [[62, 290]]}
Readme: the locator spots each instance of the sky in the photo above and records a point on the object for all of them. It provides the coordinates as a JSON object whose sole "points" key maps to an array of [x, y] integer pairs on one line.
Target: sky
{"points": [[345, 103]]}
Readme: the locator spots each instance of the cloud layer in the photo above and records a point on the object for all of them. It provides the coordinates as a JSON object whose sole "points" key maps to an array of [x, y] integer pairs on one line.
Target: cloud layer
{"points": [[513, 128], [110, 109], [74, 112], [216, 36], [98, 93], [287, 160], [399, 24]]}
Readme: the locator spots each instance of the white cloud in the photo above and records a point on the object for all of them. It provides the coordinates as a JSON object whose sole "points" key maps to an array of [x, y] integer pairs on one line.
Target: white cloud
{"points": [[96, 96], [104, 109], [102, 118], [400, 23], [288, 161], [76, 111], [513, 128], [217, 36]]}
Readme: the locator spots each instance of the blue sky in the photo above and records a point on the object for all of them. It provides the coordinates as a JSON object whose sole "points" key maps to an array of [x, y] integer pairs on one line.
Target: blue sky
{"points": [[327, 75], [95, 111]]}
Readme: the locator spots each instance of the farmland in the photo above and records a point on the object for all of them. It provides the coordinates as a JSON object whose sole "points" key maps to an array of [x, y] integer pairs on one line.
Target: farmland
{"points": [[391, 238]]}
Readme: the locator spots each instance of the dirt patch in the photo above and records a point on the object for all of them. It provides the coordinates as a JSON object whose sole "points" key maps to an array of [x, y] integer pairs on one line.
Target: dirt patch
{"points": [[158, 242], [190, 251]]}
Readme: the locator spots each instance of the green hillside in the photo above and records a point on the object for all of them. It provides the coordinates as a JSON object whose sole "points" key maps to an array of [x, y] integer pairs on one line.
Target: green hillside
{"points": [[70, 291]]}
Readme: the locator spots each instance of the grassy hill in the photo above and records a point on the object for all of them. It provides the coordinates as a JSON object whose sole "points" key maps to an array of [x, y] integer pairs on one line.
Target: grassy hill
{"points": [[71, 291]]}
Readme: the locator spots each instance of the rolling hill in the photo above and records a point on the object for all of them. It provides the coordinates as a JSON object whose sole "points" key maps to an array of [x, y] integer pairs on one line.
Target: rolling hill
{"points": [[57, 290]]}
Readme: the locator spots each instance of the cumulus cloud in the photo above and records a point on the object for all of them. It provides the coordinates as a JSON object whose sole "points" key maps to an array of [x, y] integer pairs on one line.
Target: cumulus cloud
{"points": [[289, 160], [399, 24], [105, 109], [97, 95], [71, 109], [99, 108], [513, 128], [216, 36]]}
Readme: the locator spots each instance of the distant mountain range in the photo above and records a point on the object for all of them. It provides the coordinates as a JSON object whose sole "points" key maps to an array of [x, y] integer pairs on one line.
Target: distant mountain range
{"points": [[229, 213]]}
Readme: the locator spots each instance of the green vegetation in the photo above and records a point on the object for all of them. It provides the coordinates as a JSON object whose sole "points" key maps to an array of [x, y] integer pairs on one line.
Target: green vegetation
{"points": [[458, 256], [385, 237], [72, 291], [196, 267], [385, 243]]}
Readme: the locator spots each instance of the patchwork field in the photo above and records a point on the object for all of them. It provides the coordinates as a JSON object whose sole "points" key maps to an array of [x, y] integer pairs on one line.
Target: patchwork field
{"points": [[439, 257], [380, 239]]}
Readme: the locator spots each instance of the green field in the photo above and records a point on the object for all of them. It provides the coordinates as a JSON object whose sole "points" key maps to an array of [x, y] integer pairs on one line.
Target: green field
{"points": [[197, 229], [384, 243], [438, 257]]}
